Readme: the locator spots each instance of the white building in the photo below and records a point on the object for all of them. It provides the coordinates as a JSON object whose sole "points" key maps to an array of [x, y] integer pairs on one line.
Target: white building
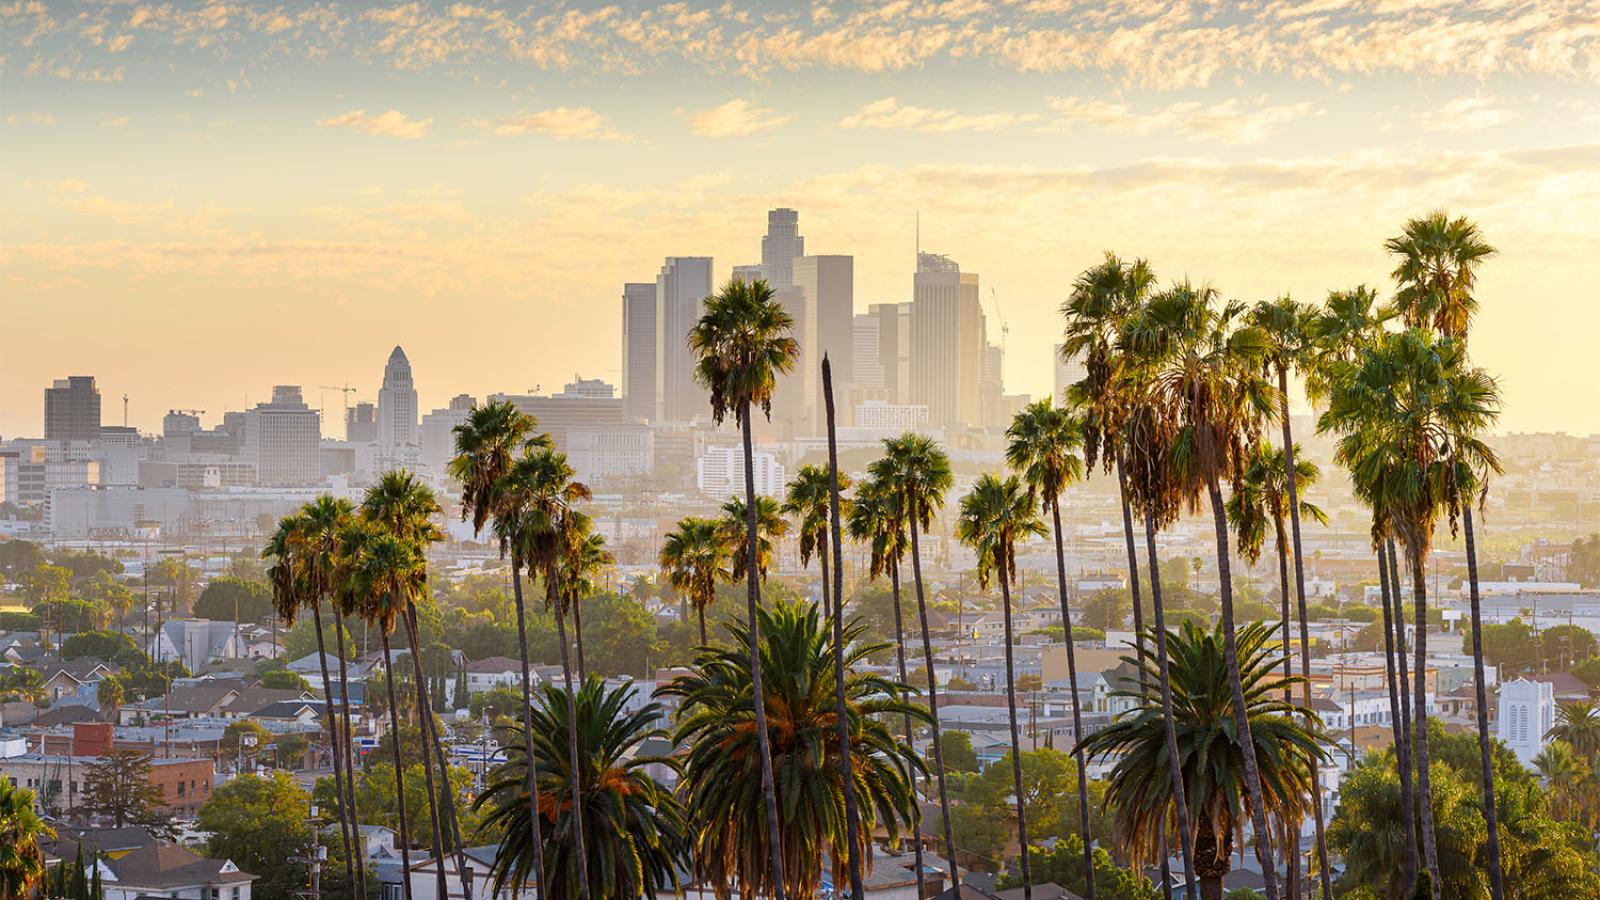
{"points": [[891, 416], [397, 403], [600, 452], [1527, 712], [827, 293], [683, 283], [438, 432], [720, 472], [1068, 372], [947, 341], [283, 439], [639, 351], [866, 366]]}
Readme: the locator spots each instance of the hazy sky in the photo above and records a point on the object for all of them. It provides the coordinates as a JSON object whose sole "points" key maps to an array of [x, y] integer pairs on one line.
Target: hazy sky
{"points": [[199, 200]]}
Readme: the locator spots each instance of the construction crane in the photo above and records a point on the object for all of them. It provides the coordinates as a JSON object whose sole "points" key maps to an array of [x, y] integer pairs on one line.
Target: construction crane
{"points": [[1005, 330], [346, 389], [124, 410]]}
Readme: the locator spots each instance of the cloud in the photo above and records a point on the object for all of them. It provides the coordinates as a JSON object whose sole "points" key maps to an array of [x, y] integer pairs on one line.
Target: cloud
{"points": [[736, 118], [888, 114], [1230, 121], [33, 118], [114, 122], [391, 123], [1465, 114], [562, 123]]}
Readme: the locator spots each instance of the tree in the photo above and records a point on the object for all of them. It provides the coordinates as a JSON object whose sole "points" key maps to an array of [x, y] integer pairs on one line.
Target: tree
{"points": [[1583, 566], [1107, 608], [741, 345], [227, 597], [259, 822], [98, 644], [637, 830], [284, 680], [958, 753], [1064, 863], [722, 780], [118, 790], [111, 692], [806, 499], [694, 558], [1578, 724], [1288, 740], [21, 829], [245, 737], [18, 556], [1565, 645]]}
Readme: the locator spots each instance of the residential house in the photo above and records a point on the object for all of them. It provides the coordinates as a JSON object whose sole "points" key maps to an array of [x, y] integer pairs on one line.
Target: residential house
{"points": [[197, 642], [492, 672], [172, 871]]}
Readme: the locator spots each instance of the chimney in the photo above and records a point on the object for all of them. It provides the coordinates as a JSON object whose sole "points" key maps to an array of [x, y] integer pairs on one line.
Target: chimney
{"points": [[91, 738]]}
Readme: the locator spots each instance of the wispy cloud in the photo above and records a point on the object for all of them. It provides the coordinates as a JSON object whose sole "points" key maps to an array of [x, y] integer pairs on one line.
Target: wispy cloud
{"points": [[736, 118], [562, 123], [1229, 121], [390, 123], [1465, 114], [33, 118], [889, 114]]}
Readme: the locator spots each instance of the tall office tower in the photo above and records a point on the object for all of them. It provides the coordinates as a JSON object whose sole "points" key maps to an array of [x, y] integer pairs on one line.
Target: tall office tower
{"points": [[437, 432], [827, 291], [361, 423], [179, 422], [866, 370], [749, 274], [72, 409], [991, 386], [894, 347], [684, 282], [1068, 373], [284, 439], [397, 403], [946, 342], [639, 351], [781, 246]]}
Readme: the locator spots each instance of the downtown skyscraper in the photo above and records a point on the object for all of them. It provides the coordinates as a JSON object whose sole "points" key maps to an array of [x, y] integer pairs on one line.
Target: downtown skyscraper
{"points": [[397, 403], [684, 281], [639, 348], [72, 409], [947, 342]]}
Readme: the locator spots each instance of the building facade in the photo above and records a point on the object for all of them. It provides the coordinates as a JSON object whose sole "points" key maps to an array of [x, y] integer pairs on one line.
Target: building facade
{"points": [[946, 342], [72, 409], [397, 403], [639, 347], [283, 439]]}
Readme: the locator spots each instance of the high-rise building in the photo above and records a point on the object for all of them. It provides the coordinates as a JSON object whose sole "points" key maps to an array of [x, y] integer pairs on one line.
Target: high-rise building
{"points": [[947, 344], [684, 282], [639, 340], [749, 273], [781, 246], [827, 289], [866, 369], [397, 403], [583, 402], [894, 347], [438, 432], [72, 409], [284, 439], [719, 472], [1068, 372], [179, 423], [991, 387], [361, 423]]}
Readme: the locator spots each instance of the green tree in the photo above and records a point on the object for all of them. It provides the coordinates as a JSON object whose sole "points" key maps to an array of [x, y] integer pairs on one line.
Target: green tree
{"points": [[227, 596], [958, 753], [694, 558], [1583, 566], [622, 637], [118, 789], [1064, 864], [103, 645], [21, 829], [259, 822], [18, 556], [244, 738], [1107, 608], [284, 680], [806, 499]]}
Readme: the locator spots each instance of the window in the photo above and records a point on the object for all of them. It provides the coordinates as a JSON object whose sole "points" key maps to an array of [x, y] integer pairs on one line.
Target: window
{"points": [[180, 784]]}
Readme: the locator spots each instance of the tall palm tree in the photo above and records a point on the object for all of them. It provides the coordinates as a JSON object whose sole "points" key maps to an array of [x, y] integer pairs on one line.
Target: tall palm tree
{"points": [[1401, 408], [807, 501], [918, 472], [1207, 385], [1578, 725], [637, 829], [1103, 298], [401, 506], [741, 344], [997, 514], [1043, 444], [1287, 327], [1288, 739], [491, 448], [1436, 272], [876, 521], [21, 860], [722, 784], [585, 558], [771, 526], [695, 557]]}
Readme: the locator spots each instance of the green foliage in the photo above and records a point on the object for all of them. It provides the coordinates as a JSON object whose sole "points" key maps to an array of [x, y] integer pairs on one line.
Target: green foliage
{"points": [[1589, 671], [619, 636], [12, 620], [958, 753], [1049, 786], [118, 789], [980, 832], [1584, 565], [259, 822], [103, 645], [21, 860], [226, 596], [376, 799], [1107, 609], [1459, 750], [247, 735], [1063, 865], [18, 556], [500, 703], [285, 680]]}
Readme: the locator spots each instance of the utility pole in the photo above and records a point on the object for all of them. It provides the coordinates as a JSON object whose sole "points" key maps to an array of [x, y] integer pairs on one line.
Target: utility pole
{"points": [[313, 861]]}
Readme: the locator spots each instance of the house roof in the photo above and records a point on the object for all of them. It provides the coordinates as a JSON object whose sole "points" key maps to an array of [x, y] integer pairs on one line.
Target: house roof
{"points": [[198, 699], [493, 665], [257, 697], [287, 709], [102, 840], [166, 866], [1564, 684], [67, 714]]}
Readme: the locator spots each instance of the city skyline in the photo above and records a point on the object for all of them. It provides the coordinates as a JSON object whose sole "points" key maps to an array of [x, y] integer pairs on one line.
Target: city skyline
{"points": [[425, 168]]}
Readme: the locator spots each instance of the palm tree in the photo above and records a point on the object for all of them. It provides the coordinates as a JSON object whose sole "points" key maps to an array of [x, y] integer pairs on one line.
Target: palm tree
{"points": [[997, 514], [1436, 271], [1102, 301], [918, 472], [401, 506], [637, 830], [807, 500], [1569, 778], [491, 445], [770, 527], [741, 344], [1401, 409], [1286, 738], [21, 860], [695, 557], [1578, 724], [1043, 444], [1288, 329], [580, 567], [721, 779], [875, 520]]}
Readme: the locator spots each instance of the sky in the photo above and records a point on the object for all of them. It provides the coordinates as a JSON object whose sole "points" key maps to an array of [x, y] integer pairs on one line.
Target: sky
{"points": [[201, 200]]}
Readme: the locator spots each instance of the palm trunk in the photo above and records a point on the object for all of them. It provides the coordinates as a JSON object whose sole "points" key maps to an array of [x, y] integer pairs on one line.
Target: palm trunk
{"points": [[577, 633], [1175, 771], [532, 767], [1138, 637], [1291, 853], [399, 768], [1077, 713], [424, 714], [1305, 638], [358, 887], [1430, 851], [701, 612], [452, 825], [900, 657], [1016, 744], [347, 822], [933, 699], [1403, 666], [1496, 876], [1241, 713], [828, 601], [759, 697], [1397, 691], [575, 760], [851, 814]]}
